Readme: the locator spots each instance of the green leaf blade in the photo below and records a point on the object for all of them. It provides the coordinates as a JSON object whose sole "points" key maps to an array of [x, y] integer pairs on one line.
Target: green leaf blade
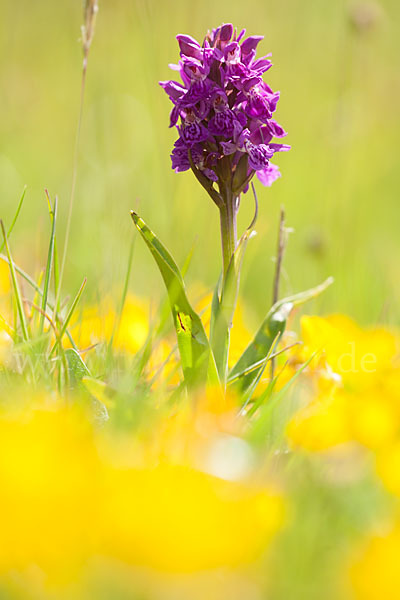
{"points": [[268, 336], [194, 348]]}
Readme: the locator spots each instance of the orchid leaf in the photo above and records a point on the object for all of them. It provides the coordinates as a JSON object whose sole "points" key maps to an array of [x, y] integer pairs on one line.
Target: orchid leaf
{"points": [[267, 338], [196, 356]]}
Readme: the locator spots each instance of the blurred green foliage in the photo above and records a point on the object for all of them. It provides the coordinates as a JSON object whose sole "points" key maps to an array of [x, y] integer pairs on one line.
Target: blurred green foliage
{"points": [[336, 65]]}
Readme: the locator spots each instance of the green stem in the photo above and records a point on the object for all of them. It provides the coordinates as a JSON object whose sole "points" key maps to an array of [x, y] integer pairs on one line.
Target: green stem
{"points": [[228, 215]]}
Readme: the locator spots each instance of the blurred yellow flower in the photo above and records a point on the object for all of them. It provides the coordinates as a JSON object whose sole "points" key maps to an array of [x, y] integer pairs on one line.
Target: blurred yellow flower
{"points": [[240, 334], [359, 356], [322, 424], [388, 467], [5, 313], [194, 502], [96, 324], [192, 435], [133, 328], [331, 419], [48, 470], [163, 367], [6, 344], [70, 493], [353, 400], [375, 574], [176, 518], [374, 417], [5, 285]]}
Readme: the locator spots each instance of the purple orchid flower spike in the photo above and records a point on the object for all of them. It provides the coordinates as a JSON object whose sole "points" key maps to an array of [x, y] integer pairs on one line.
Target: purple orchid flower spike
{"points": [[223, 111]]}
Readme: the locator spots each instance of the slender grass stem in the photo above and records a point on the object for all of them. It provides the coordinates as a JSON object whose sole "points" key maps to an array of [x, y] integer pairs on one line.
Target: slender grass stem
{"points": [[17, 292], [117, 322], [88, 28], [36, 287], [49, 266], [73, 183], [58, 342], [21, 200], [282, 242]]}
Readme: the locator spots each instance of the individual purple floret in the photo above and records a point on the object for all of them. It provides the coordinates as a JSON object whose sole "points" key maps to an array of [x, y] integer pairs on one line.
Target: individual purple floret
{"points": [[223, 112]]}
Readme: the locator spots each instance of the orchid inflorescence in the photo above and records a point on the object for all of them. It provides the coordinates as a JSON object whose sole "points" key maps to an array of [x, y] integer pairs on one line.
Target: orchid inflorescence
{"points": [[225, 111]]}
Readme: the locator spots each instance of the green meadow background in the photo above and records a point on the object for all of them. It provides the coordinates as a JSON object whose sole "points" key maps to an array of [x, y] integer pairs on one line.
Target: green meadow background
{"points": [[340, 96]]}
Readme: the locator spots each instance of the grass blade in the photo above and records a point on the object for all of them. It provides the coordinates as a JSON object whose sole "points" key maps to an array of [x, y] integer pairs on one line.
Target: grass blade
{"points": [[17, 292], [21, 200], [68, 317], [50, 256], [35, 286]]}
